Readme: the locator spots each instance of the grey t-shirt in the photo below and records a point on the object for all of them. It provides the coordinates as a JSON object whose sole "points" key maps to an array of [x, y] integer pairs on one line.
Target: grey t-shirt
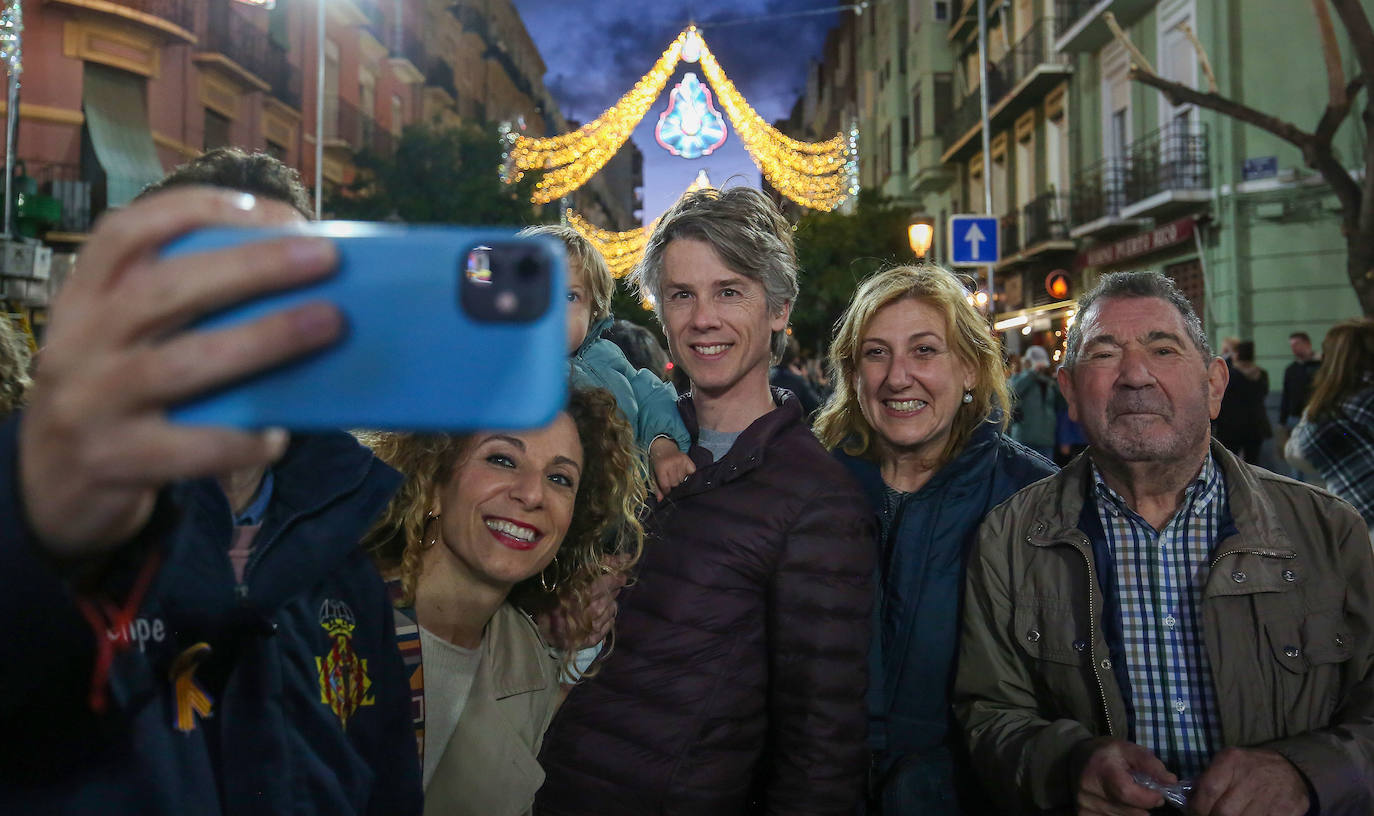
{"points": [[717, 442]]}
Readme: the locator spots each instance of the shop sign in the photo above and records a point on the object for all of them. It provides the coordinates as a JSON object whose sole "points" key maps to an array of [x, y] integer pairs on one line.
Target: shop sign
{"points": [[1145, 243]]}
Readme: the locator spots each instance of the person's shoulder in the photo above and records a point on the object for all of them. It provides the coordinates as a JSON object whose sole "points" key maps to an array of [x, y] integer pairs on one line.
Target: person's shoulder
{"points": [[1314, 507], [1017, 460]]}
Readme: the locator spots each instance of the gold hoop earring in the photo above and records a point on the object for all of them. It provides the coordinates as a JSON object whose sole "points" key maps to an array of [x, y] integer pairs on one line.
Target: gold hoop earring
{"points": [[543, 579]]}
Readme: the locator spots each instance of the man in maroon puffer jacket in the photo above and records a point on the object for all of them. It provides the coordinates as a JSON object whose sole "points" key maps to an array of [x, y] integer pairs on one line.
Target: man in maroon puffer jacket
{"points": [[740, 664]]}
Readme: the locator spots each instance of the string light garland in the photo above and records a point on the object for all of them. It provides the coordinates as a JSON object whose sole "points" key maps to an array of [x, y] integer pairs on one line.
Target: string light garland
{"points": [[818, 175], [622, 250]]}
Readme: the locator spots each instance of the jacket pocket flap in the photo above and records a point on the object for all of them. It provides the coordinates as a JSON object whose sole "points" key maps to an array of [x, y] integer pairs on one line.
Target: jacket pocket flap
{"points": [[1046, 631], [1321, 638]]}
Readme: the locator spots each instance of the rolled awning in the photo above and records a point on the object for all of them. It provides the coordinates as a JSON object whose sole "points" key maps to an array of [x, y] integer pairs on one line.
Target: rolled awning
{"points": [[117, 118]]}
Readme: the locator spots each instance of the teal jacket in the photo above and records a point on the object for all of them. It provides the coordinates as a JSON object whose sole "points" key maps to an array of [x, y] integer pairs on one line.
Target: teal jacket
{"points": [[647, 403], [1035, 415]]}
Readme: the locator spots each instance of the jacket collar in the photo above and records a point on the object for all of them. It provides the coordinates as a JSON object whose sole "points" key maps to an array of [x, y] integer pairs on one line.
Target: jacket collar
{"points": [[1254, 517], [514, 653], [749, 449], [594, 334], [968, 467]]}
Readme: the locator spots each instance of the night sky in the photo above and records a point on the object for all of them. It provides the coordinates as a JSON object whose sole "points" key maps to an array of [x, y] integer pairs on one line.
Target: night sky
{"points": [[595, 50]]}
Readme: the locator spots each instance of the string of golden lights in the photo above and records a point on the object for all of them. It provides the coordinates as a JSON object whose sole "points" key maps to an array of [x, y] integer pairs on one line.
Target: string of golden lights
{"points": [[622, 250], [818, 175]]}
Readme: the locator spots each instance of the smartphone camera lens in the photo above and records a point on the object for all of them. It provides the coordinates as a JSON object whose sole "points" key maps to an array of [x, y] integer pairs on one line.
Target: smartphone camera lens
{"points": [[507, 282]]}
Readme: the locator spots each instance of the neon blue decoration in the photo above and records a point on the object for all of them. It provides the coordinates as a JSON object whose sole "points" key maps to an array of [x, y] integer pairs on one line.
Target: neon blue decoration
{"points": [[691, 127]]}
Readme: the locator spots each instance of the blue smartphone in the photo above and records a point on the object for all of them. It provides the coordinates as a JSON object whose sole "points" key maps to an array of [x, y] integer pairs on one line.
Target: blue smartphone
{"points": [[446, 329]]}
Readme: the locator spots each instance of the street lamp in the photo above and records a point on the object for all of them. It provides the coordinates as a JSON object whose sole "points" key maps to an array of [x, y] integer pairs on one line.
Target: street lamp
{"points": [[920, 232]]}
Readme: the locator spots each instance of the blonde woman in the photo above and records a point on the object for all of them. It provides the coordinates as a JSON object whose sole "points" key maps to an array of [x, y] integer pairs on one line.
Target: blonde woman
{"points": [[487, 530], [918, 416]]}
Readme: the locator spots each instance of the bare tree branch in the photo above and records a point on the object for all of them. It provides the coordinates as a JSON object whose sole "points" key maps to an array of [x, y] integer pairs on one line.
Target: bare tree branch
{"points": [[1139, 58], [1202, 54], [1331, 52], [1356, 24], [1334, 115], [1178, 94]]}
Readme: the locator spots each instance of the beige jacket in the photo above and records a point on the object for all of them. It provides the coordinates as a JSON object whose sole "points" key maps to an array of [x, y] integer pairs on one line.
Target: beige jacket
{"points": [[1288, 621], [489, 767]]}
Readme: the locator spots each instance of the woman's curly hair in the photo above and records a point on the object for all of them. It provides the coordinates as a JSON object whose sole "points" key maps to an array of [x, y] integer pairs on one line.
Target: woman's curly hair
{"points": [[605, 534]]}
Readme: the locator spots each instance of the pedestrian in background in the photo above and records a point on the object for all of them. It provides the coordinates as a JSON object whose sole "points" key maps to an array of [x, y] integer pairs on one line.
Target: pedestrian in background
{"points": [[1243, 423], [790, 374], [1336, 435], [1033, 413], [1297, 379], [918, 417]]}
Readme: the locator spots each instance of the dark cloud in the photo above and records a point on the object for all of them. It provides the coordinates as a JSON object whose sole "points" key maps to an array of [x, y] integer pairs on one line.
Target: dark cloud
{"points": [[595, 51]]}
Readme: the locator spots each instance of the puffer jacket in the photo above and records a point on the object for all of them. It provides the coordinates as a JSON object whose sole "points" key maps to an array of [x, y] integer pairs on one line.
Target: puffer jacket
{"points": [[1288, 624], [298, 704], [917, 765], [737, 680], [646, 402]]}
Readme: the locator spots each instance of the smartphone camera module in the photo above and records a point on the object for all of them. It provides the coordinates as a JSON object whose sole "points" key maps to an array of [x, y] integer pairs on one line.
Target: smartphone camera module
{"points": [[507, 282]]}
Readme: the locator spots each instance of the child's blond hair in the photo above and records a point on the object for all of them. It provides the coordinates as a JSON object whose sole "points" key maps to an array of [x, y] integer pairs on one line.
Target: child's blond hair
{"points": [[596, 275]]}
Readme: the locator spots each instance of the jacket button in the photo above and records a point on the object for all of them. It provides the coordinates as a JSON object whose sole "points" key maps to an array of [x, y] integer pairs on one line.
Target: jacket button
{"points": [[1340, 640], [1080, 645], [1238, 577], [1106, 664], [1033, 636], [1291, 651], [1040, 528], [1289, 575]]}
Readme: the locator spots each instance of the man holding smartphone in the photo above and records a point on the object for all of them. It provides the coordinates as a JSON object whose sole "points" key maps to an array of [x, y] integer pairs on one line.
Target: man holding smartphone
{"points": [[193, 626], [737, 680]]}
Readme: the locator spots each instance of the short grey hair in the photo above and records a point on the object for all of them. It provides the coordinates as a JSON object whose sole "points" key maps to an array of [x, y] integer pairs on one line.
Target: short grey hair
{"points": [[1136, 285], [745, 229]]}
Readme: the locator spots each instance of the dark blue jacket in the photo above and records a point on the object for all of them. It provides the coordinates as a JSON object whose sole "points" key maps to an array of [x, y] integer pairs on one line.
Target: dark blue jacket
{"points": [[276, 740], [921, 579]]}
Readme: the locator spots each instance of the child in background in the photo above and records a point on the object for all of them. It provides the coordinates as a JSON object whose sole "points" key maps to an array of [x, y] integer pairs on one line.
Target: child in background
{"points": [[647, 402]]}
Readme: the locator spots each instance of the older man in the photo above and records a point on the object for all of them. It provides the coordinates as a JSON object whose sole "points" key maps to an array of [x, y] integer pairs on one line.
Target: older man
{"points": [[737, 680], [1160, 610]]}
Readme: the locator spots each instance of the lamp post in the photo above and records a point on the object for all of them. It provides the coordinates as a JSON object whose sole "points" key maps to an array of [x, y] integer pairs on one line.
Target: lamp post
{"points": [[920, 232]]}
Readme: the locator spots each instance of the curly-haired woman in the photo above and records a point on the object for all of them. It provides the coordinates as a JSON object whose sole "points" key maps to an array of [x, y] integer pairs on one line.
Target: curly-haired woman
{"points": [[487, 530]]}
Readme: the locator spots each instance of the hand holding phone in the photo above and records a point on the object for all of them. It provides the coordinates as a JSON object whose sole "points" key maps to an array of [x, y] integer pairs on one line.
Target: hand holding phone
{"points": [[447, 329], [95, 445]]}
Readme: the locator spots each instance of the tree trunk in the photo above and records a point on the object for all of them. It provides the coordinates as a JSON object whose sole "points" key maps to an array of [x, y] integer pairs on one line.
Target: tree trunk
{"points": [[1360, 267]]}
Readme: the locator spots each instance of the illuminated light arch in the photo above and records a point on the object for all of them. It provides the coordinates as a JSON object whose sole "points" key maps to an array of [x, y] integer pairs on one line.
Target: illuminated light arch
{"points": [[818, 175]]}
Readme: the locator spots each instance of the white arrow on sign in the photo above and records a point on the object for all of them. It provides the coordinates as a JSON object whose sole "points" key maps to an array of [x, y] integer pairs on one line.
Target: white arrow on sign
{"points": [[975, 238]]}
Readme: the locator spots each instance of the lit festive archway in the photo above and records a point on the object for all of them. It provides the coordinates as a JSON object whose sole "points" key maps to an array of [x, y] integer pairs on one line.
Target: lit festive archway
{"points": [[818, 175], [622, 250]]}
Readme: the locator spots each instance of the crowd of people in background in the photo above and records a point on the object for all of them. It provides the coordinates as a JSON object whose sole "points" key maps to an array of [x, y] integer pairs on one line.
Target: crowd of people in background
{"points": [[913, 577]]}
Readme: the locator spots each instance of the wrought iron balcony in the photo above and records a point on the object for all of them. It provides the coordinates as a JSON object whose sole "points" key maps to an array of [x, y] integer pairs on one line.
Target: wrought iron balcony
{"points": [[181, 14], [250, 48], [65, 183], [1166, 168], [1045, 218], [1019, 79], [1069, 12]]}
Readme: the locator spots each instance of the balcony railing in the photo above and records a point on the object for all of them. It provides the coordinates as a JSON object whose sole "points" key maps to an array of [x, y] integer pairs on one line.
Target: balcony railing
{"points": [[179, 12], [65, 183], [1034, 49], [1174, 158], [250, 47], [1011, 235], [1045, 218]]}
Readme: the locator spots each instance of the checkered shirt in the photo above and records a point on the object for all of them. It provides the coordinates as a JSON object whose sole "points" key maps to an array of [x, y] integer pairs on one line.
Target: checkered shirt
{"points": [[1341, 448], [1159, 581]]}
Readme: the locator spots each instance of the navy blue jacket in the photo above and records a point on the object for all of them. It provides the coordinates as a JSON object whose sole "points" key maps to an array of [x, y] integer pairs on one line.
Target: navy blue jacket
{"points": [[294, 725], [920, 588]]}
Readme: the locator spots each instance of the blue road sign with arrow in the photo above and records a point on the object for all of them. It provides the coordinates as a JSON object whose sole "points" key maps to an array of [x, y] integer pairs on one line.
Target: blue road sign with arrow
{"points": [[973, 240]]}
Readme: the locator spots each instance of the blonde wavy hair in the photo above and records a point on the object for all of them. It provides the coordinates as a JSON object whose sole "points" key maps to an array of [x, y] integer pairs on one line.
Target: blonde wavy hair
{"points": [[605, 534], [841, 422]]}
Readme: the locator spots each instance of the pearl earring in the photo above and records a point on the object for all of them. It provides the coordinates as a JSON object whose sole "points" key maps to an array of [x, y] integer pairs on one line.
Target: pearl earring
{"points": [[968, 397]]}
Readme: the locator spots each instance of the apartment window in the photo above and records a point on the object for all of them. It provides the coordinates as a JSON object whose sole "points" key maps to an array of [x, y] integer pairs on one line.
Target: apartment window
{"points": [[940, 10], [944, 97], [999, 184], [1116, 98], [1025, 169], [885, 154], [331, 90], [217, 128], [916, 132], [906, 140], [1176, 58], [1057, 152]]}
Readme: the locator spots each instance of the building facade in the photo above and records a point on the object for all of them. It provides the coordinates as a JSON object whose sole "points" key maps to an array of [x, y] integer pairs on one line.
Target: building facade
{"points": [[1090, 172]]}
